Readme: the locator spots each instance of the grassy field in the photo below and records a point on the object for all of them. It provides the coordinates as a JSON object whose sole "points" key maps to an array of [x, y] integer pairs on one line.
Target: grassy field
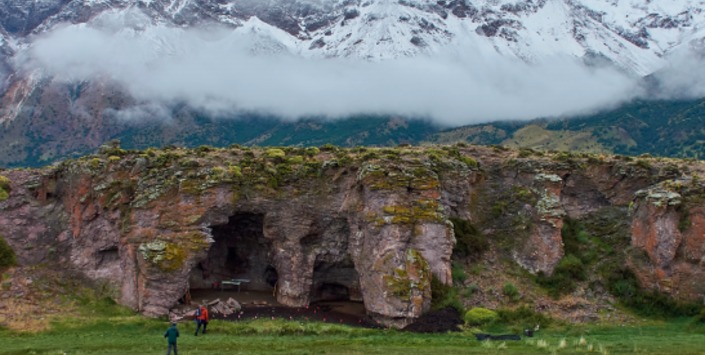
{"points": [[129, 334], [87, 322]]}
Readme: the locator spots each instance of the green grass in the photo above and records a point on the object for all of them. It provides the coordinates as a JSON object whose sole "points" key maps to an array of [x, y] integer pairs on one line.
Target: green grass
{"points": [[99, 326], [137, 335]]}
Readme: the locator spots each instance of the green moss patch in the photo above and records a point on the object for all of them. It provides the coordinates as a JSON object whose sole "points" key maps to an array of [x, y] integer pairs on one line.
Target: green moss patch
{"points": [[7, 255], [423, 210], [164, 255], [4, 188]]}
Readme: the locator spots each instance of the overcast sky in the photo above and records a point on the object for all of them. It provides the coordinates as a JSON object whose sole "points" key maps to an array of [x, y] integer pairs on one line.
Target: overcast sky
{"points": [[216, 71]]}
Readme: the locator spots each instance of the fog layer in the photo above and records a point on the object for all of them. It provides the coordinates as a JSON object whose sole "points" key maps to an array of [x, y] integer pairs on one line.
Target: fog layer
{"points": [[217, 70]]}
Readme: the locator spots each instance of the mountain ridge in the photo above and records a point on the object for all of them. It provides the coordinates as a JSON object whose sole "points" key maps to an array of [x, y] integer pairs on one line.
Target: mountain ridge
{"points": [[55, 101]]}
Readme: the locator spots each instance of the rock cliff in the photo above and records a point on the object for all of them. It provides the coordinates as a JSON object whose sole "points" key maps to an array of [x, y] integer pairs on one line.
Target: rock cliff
{"points": [[369, 224]]}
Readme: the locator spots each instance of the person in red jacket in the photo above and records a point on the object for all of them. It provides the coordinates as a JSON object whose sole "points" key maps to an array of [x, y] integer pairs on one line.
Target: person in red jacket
{"points": [[201, 319]]}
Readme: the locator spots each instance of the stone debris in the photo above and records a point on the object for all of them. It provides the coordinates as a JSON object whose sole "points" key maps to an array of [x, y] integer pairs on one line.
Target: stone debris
{"points": [[215, 307]]}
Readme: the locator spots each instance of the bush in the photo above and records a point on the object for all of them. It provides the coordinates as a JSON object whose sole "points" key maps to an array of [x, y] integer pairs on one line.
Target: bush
{"points": [[469, 240], [458, 274], [470, 290], [624, 285], [328, 148], [480, 316], [443, 296], [511, 291], [700, 318], [470, 162], [275, 153], [573, 267], [7, 255], [577, 241], [563, 281], [4, 183], [524, 317]]}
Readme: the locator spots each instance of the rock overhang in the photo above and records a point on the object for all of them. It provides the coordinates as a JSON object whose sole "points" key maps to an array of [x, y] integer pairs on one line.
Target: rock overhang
{"points": [[382, 212]]}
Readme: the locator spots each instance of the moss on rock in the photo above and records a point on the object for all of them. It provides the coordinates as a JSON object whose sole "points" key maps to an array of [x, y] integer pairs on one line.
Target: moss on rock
{"points": [[415, 275], [166, 256], [7, 255], [4, 188]]}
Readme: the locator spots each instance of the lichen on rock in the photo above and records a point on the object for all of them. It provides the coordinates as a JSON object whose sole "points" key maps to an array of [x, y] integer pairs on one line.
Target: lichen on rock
{"points": [[549, 206], [411, 279], [660, 196], [166, 256], [548, 177]]}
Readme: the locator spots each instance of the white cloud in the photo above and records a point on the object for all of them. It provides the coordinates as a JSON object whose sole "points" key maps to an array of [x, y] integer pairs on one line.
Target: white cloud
{"points": [[141, 112], [215, 70], [684, 76]]}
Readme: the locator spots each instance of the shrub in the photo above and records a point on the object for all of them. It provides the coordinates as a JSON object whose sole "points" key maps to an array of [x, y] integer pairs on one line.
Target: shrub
{"points": [[275, 153], [581, 252], [4, 183], [571, 266], [7, 255], [480, 316], [469, 240], [470, 162], [523, 316], [328, 148], [624, 285], [510, 291], [204, 149], [470, 290], [443, 296], [700, 318], [297, 159], [563, 281], [458, 274], [577, 241]]}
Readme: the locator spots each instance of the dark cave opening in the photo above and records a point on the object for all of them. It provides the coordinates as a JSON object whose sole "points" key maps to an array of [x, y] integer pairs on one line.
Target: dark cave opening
{"points": [[108, 256], [241, 252], [335, 281]]}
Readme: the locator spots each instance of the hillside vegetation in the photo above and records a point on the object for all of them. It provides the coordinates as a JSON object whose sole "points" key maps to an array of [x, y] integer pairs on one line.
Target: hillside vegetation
{"points": [[662, 128]]}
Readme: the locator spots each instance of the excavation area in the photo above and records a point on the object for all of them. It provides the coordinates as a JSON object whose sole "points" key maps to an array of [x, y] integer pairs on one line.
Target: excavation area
{"points": [[260, 305], [263, 305], [240, 267]]}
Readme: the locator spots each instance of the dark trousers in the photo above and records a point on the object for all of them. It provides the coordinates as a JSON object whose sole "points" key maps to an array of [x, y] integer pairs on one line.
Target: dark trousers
{"points": [[168, 350], [202, 323]]}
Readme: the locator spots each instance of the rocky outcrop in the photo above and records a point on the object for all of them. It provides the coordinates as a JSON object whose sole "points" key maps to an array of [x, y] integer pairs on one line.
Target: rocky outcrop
{"points": [[668, 232], [368, 224]]}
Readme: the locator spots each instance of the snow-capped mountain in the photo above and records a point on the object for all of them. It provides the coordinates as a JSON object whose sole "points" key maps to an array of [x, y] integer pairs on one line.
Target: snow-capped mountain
{"points": [[634, 34], [68, 68]]}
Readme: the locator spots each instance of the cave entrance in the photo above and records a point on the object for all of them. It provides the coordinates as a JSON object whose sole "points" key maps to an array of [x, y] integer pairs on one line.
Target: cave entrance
{"points": [[240, 252], [336, 287], [335, 281]]}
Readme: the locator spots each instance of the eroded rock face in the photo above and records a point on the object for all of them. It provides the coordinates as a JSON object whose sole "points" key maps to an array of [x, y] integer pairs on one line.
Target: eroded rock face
{"points": [[668, 227], [370, 225]]}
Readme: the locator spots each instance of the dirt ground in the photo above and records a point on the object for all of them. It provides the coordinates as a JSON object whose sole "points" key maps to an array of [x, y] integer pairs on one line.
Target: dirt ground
{"points": [[258, 305], [440, 321]]}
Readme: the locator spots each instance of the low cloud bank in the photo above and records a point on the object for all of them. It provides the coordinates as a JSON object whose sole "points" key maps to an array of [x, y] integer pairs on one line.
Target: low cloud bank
{"points": [[216, 70], [684, 75]]}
